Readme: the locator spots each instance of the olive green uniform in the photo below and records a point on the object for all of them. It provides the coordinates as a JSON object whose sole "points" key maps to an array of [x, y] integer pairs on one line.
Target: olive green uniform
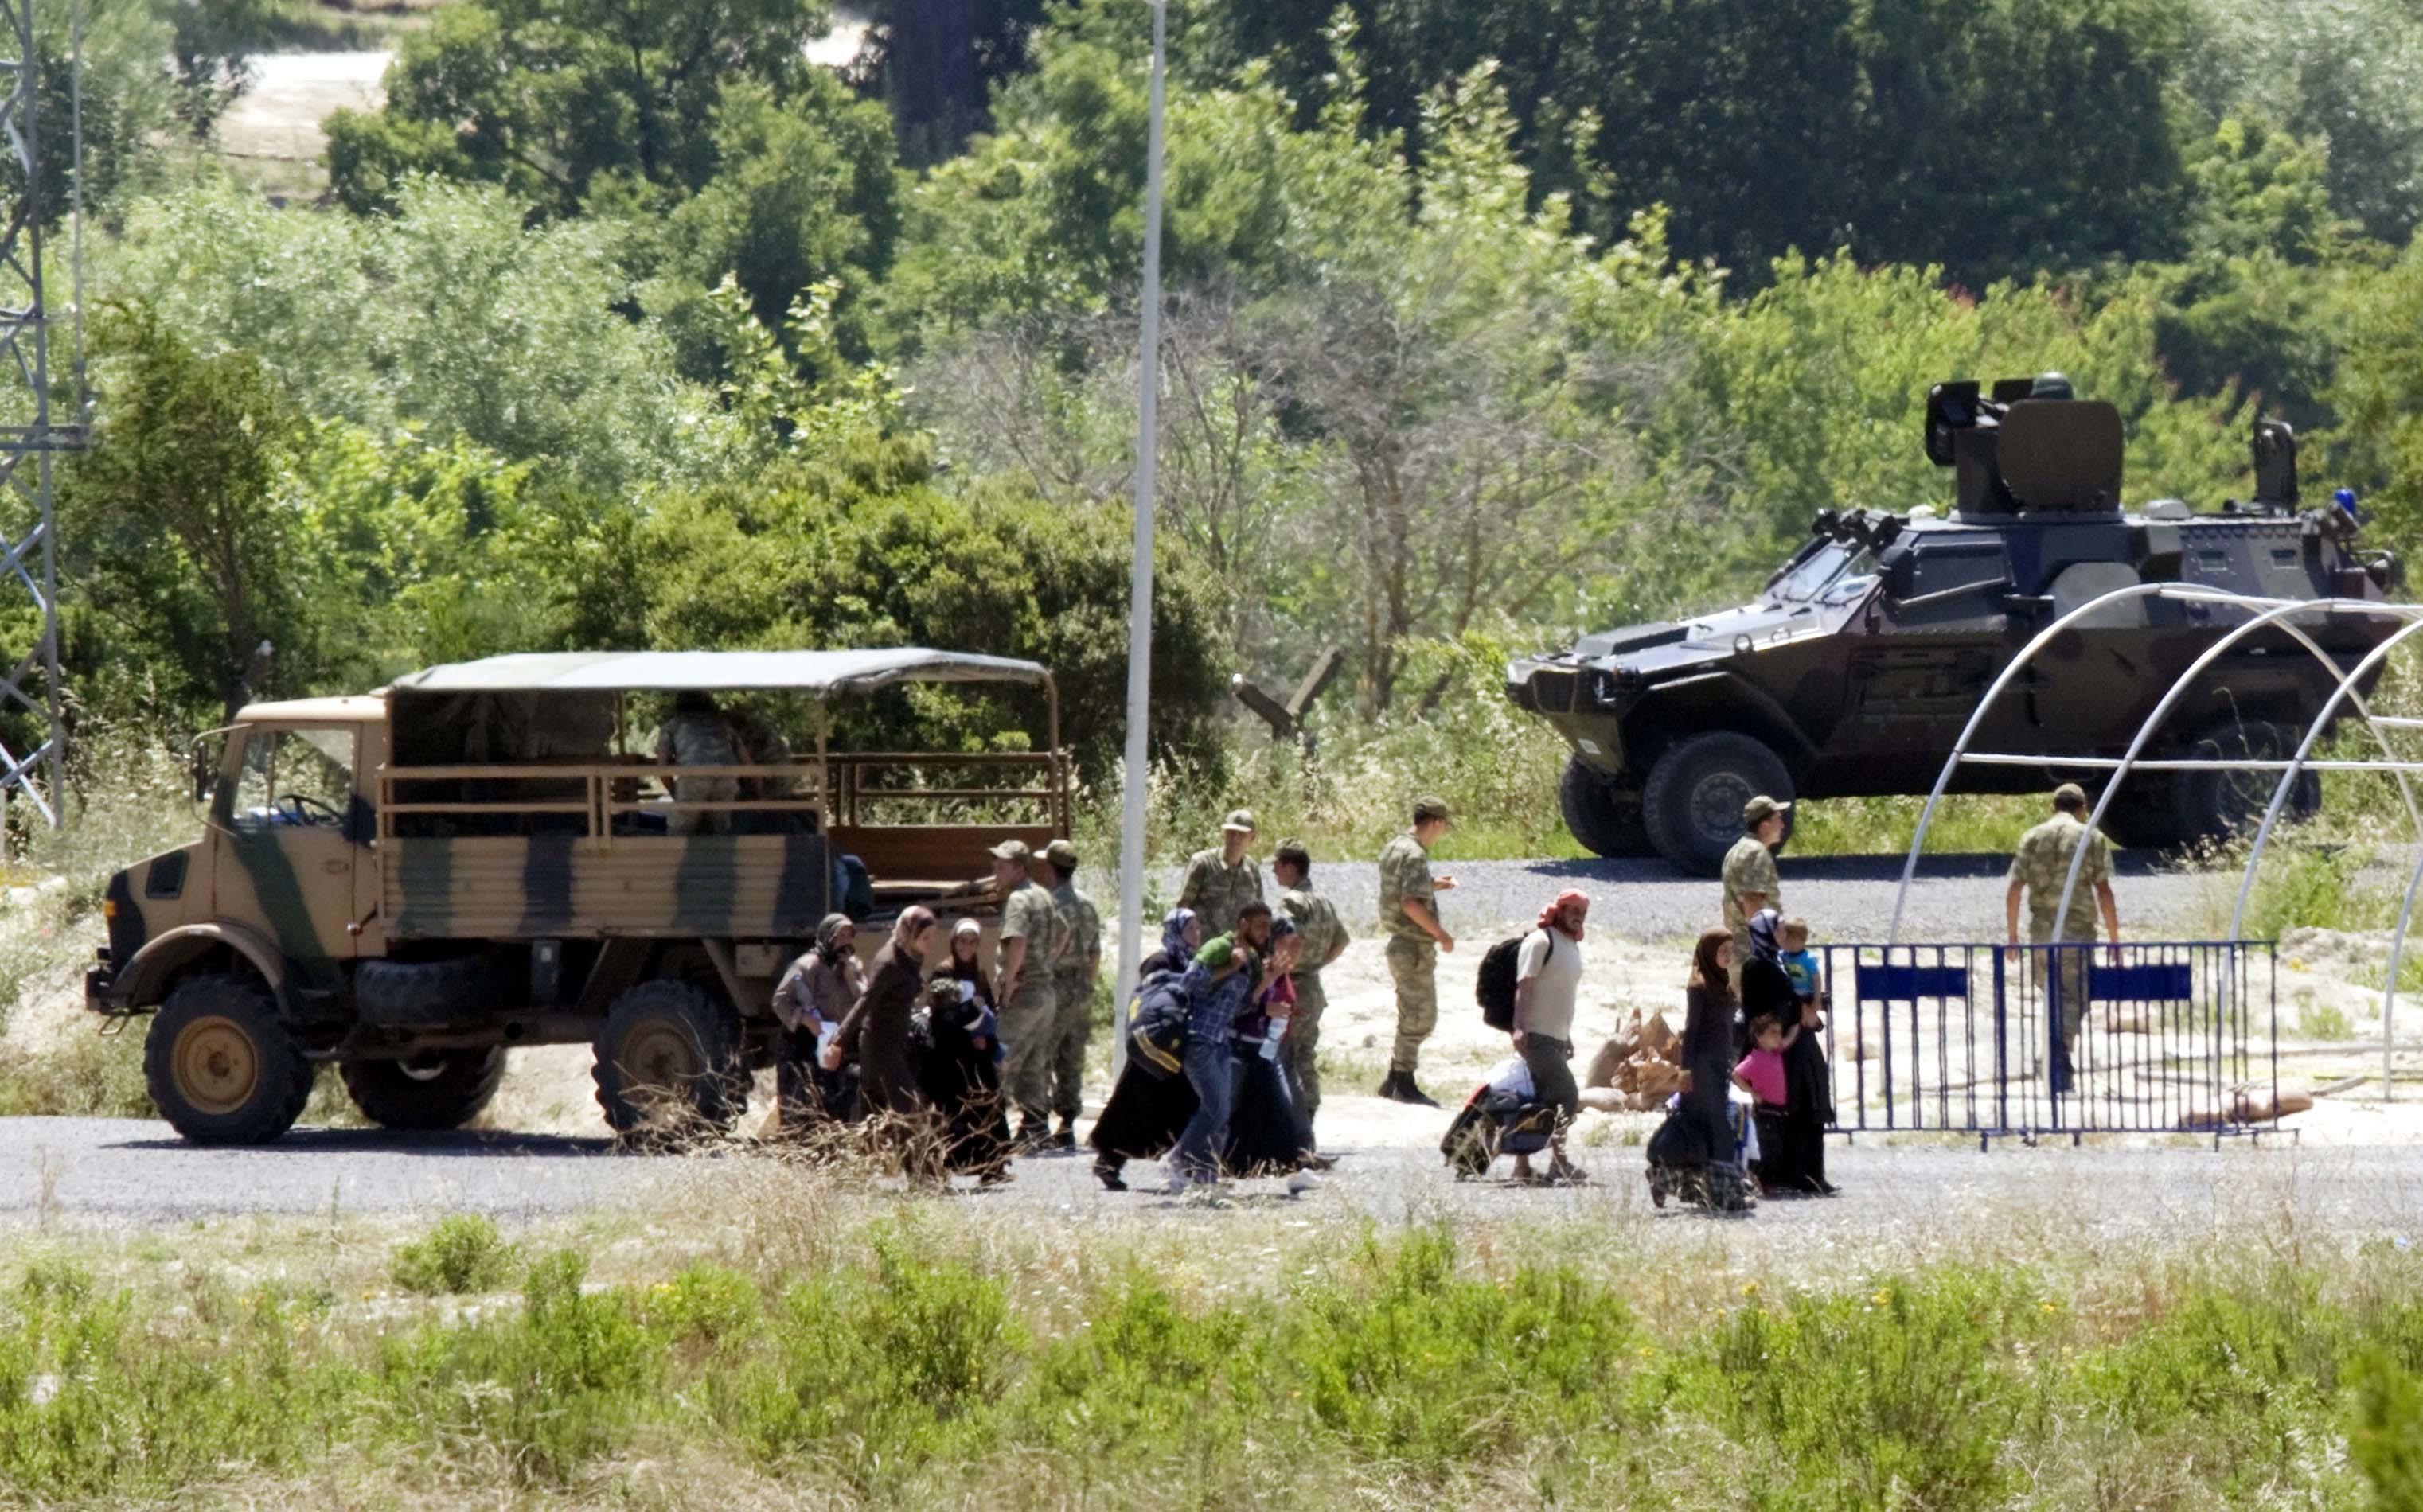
{"points": [[1316, 921], [1072, 996], [1215, 890], [1412, 954], [2042, 865], [1029, 1018], [1749, 867]]}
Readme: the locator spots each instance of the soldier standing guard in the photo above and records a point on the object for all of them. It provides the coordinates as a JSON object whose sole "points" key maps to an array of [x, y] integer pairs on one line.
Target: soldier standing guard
{"points": [[1221, 881], [2041, 869], [1750, 880], [1032, 938], [1325, 941], [1072, 991], [1409, 914]]}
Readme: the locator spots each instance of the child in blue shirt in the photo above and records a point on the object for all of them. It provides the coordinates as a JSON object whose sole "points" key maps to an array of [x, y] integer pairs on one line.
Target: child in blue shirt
{"points": [[1799, 961]]}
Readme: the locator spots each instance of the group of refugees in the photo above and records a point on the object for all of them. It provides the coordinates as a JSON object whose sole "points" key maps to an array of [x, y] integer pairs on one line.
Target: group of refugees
{"points": [[1224, 1032], [937, 1060]]}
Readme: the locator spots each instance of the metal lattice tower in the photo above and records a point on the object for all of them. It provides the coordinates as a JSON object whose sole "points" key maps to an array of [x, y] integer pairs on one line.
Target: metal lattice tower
{"points": [[29, 435]]}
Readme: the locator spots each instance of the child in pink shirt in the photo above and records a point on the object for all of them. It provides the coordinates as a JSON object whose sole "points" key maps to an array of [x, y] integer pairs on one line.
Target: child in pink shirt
{"points": [[1760, 1075]]}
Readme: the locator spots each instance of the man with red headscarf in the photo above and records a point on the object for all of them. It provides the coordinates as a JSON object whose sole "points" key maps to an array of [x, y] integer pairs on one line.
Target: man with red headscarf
{"points": [[1547, 979]]}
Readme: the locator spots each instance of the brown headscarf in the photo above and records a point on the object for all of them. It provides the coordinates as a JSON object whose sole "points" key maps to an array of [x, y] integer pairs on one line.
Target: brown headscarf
{"points": [[1706, 970]]}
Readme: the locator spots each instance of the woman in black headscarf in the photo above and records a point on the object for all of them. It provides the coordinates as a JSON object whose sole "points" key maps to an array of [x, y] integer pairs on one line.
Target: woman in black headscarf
{"points": [[1265, 1136], [1150, 1104], [1799, 1162], [960, 1071]]}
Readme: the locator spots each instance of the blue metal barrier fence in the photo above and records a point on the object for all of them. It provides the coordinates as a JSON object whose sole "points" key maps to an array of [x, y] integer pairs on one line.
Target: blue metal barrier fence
{"points": [[1969, 1039]]}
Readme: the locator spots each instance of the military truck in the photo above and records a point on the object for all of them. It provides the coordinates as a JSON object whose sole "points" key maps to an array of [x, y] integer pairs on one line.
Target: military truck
{"points": [[411, 883], [1855, 669]]}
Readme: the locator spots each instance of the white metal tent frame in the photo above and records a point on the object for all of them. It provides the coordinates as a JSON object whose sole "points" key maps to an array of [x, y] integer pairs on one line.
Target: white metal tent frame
{"points": [[2263, 614]]}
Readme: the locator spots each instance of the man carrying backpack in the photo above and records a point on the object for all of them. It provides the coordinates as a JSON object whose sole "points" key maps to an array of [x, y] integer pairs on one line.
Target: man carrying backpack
{"points": [[1547, 980]]}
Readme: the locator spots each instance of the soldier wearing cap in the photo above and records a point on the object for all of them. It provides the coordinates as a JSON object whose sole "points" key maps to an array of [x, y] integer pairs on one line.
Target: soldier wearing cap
{"points": [[1072, 990], [1409, 916], [1223, 879], [1325, 941], [2040, 869], [1032, 941], [1751, 881]]}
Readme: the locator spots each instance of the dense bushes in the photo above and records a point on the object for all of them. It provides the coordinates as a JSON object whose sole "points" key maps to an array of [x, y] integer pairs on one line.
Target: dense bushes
{"points": [[909, 1375]]}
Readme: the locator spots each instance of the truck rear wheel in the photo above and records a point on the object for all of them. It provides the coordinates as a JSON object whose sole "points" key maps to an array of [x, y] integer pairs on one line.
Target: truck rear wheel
{"points": [[1695, 793], [220, 1065], [446, 1089], [1606, 822], [669, 1064]]}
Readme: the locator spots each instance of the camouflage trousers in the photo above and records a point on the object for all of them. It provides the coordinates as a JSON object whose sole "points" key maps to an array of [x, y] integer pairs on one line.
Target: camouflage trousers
{"points": [[2066, 985], [1414, 965], [1299, 1053], [1072, 1029], [1027, 1037]]}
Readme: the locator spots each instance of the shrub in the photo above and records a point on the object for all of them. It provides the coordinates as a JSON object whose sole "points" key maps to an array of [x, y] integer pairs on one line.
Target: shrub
{"points": [[463, 1253]]}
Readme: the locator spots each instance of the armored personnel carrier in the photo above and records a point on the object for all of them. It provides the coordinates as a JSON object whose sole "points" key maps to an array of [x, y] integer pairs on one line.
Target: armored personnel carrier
{"points": [[1854, 671]]}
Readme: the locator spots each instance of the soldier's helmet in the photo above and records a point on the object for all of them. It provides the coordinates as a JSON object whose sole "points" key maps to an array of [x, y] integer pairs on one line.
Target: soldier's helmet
{"points": [[2051, 385]]}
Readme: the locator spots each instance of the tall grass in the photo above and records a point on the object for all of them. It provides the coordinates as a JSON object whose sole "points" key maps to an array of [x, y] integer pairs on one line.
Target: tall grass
{"points": [[906, 1369]]}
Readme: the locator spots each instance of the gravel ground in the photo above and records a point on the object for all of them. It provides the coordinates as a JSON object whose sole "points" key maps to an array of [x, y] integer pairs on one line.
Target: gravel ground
{"points": [[1955, 899], [126, 1171]]}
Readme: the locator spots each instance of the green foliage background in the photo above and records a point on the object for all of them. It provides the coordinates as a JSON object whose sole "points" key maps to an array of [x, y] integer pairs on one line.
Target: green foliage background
{"points": [[1488, 323]]}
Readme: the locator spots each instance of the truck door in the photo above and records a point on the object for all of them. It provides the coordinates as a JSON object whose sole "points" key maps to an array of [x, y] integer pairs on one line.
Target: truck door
{"points": [[287, 845], [1940, 638]]}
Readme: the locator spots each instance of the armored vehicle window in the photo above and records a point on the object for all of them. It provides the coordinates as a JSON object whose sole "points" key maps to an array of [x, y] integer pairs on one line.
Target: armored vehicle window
{"points": [[1826, 573], [294, 777], [1940, 569]]}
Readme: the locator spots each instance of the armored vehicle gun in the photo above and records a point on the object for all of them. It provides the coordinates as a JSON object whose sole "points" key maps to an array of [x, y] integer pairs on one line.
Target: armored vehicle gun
{"points": [[1855, 669]]}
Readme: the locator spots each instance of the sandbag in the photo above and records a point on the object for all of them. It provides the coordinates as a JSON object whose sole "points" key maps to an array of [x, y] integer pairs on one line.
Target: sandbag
{"points": [[1606, 1100]]}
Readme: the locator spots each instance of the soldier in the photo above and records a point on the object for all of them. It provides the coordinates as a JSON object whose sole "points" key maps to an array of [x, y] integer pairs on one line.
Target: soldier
{"points": [[1409, 914], [1751, 881], [1072, 990], [699, 733], [1032, 938], [2041, 869], [1325, 941], [1220, 882]]}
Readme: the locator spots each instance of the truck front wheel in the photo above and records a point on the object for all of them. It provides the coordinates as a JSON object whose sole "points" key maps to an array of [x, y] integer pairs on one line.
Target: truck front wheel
{"points": [[221, 1067], [669, 1064], [1695, 793], [446, 1089], [1605, 821]]}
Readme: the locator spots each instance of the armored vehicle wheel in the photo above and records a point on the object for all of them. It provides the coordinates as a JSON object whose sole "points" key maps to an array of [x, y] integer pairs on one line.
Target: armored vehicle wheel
{"points": [[1606, 822], [2220, 804], [221, 1068], [669, 1064], [1694, 797], [2146, 816], [446, 1089]]}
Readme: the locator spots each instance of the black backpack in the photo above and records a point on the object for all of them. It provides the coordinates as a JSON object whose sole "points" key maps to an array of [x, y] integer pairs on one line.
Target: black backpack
{"points": [[1494, 986]]}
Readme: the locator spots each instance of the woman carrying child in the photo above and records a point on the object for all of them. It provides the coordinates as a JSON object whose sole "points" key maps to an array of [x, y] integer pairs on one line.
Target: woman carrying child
{"points": [[1265, 1137], [1148, 1105], [960, 1072], [1796, 1160]]}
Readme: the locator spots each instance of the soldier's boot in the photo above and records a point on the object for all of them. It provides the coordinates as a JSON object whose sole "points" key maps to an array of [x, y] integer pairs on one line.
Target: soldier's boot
{"points": [[1065, 1135], [1032, 1134], [1400, 1087]]}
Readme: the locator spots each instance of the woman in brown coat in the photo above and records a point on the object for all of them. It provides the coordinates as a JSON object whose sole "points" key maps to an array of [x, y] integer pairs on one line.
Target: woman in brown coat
{"points": [[876, 1032]]}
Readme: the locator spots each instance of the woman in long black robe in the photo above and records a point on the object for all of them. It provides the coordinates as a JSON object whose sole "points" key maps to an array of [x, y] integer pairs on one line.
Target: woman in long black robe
{"points": [[1265, 1133], [1694, 1154], [1146, 1113], [960, 1069], [1799, 1162]]}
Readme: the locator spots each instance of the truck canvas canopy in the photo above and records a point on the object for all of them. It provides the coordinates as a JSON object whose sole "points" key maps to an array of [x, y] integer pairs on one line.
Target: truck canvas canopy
{"points": [[819, 673]]}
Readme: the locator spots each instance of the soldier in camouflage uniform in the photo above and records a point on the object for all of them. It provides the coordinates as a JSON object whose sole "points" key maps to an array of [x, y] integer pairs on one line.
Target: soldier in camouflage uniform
{"points": [[1032, 942], [1072, 990], [1325, 941], [2040, 869], [1220, 881], [1751, 881], [1409, 915]]}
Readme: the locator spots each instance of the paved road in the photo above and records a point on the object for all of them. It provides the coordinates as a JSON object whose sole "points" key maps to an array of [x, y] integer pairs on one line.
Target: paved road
{"points": [[1845, 899], [129, 1171]]}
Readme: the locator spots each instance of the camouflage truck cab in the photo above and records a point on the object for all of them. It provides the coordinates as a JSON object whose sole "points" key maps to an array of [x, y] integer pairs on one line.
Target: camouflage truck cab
{"points": [[410, 883], [1855, 669]]}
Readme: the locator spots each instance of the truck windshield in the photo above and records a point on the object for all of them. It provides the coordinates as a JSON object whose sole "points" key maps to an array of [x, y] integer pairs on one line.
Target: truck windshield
{"points": [[1833, 574]]}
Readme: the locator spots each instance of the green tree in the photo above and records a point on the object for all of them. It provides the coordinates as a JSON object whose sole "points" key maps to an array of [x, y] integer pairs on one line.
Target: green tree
{"points": [[183, 519], [547, 96]]}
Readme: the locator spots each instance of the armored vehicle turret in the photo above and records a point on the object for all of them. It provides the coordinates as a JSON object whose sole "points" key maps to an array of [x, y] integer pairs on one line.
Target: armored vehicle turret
{"points": [[1855, 668]]}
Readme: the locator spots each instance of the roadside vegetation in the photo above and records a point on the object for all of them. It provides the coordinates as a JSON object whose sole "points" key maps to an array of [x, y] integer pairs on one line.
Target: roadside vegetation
{"points": [[848, 1349]]}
